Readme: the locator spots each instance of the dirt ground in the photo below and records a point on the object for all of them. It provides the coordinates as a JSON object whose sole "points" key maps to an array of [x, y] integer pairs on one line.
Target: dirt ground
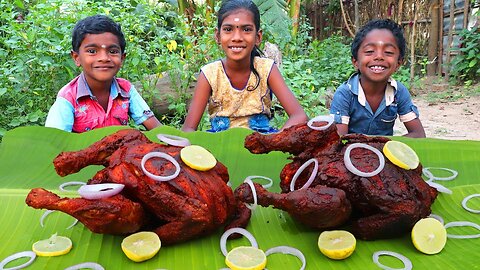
{"points": [[445, 117]]}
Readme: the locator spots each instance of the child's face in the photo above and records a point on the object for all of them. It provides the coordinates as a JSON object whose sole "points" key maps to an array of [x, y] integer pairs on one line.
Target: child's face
{"points": [[100, 57], [378, 56], [238, 35]]}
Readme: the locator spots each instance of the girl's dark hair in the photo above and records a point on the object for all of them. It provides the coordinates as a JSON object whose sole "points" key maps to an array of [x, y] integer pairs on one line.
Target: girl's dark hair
{"points": [[96, 24], [227, 8], [388, 24]]}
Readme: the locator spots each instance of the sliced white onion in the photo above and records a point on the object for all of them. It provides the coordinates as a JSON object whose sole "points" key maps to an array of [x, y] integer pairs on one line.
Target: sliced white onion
{"points": [[348, 161], [87, 265], [73, 183], [173, 140], [300, 170], [16, 256], [227, 233], [48, 212], [406, 262], [462, 224], [320, 118], [160, 155], [439, 187], [99, 191], [465, 200], [437, 217], [268, 185], [254, 194], [426, 171], [289, 250]]}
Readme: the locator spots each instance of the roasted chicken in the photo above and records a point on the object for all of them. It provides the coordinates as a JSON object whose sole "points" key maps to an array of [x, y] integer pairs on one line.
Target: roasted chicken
{"points": [[193, 204], [382, 206]]}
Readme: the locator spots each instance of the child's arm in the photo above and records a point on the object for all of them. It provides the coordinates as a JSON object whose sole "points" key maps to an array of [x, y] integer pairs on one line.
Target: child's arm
{"points": [[151, 123], [198, 104], [296, 114], [415, 129], [60, 115]]}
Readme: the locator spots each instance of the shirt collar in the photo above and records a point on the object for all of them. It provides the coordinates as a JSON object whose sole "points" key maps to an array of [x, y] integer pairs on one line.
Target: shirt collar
{"points": [[83, 90], [389, 92]]}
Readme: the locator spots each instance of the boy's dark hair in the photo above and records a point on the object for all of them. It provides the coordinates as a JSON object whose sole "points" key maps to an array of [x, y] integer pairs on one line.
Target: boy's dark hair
{"points": [[96, 24], [229, 6], [388, 24]]}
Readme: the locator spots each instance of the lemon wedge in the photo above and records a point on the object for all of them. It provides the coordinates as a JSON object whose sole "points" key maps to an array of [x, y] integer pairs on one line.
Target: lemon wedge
{"points": [[246, 258], [337, 245], [53, 246], [141, 246], [198, 158], [401, 155], [429, 236]]}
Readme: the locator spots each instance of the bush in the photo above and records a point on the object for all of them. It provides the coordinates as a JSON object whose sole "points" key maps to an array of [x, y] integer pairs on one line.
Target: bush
{"points": [[465, 66]]}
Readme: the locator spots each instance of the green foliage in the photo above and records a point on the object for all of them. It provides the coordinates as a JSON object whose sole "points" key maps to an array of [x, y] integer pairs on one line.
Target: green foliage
{"points": [[465, 66]]}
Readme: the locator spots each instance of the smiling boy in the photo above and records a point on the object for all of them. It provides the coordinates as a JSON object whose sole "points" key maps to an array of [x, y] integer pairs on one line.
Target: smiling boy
{"points": [[370, 101], [96, 98]]}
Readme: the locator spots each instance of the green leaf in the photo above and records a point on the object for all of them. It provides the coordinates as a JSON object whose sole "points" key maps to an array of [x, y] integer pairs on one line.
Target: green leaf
{"points": [[472, 63], [26, 156]]}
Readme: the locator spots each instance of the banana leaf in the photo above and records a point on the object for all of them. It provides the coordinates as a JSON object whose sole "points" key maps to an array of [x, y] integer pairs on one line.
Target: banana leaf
{"points": [[26, 156]]}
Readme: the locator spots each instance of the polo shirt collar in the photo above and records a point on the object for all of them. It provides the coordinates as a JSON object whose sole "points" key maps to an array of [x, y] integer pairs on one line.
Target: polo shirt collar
{"points": [[389, 92], [83, 90]]}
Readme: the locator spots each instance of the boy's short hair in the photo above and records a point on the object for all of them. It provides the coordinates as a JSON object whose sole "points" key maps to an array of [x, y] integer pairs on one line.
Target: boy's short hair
{"points": [[96, 24], [388, 24]]}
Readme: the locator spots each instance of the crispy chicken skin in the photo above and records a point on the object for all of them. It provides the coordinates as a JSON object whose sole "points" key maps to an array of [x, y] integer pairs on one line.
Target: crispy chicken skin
{"points": [[193, 204], [383, 206]]}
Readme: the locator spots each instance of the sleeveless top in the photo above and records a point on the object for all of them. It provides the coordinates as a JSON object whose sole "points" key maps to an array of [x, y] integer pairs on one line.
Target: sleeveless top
{"points": [[230, 107]]}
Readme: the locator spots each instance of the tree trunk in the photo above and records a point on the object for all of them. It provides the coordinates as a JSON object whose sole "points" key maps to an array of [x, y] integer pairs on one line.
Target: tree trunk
{"points": [[433, 40]]}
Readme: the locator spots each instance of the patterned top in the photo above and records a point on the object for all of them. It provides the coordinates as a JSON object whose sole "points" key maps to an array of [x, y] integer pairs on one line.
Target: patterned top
{"points": [[77, 110], [238, 105]]}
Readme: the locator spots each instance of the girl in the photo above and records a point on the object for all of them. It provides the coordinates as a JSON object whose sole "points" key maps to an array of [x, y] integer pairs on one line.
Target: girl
{"points": [[238, 88]]}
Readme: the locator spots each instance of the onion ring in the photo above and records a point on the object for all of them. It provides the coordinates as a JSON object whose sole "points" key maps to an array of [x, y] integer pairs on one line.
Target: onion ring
{"points": [[100, 191], [88, 265], [16, 256], [160, 155], [289, 250], [73, 183], [465, 200], [426, 171], [270, 181], [406, 262], [254, 194], [173, 140], [48, 212], [348, 161], [320, 118], [439, 187], [300, 170], [462, 224], [227, 233], [437, 217]]}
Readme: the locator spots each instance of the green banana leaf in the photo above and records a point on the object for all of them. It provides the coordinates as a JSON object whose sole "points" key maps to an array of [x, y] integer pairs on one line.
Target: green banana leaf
{"points": [[26, 156]]}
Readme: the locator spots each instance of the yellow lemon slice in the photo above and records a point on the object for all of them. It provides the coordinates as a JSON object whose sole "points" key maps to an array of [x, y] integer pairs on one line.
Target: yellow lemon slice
{"points": [[198, 158], [401, 155], [429, 236], [53, 246], [141, 246], [337, 245], [246, 258]]}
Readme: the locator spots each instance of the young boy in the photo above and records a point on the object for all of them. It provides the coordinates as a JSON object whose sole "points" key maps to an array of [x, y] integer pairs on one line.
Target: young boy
{"points": [[370, 100], [96, 98]]}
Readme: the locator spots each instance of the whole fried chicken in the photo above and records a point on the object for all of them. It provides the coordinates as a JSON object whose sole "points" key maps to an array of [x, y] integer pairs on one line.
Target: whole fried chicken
{"points": [[193, 204], [382, 206]]}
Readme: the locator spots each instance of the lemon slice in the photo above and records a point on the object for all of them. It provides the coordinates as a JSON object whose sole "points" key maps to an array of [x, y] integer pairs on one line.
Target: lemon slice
{"points": [[141, 246], [197, 157], [337, 245], [53, 246], [429, 236], [401, 155], [246, 258]]}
